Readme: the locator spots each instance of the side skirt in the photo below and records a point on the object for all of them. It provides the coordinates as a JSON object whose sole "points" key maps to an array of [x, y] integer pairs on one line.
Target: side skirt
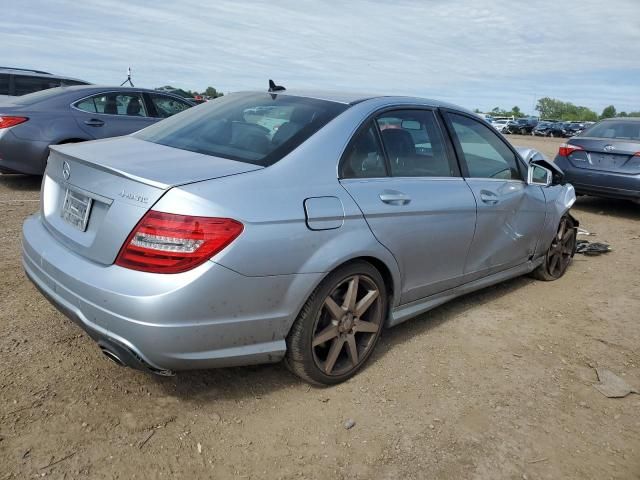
{"points": [[402, 313]]}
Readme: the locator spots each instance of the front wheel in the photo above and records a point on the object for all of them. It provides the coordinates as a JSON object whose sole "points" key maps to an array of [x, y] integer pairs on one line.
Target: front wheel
{"points": [[338, 326], [560, 252]]}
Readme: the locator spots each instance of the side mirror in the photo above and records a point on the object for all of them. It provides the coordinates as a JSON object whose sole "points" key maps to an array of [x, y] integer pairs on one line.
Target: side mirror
{"points": [[537, 175]]}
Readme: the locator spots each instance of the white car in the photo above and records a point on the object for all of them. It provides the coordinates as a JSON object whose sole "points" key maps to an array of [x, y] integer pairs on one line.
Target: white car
{"points": [[500, 124]]}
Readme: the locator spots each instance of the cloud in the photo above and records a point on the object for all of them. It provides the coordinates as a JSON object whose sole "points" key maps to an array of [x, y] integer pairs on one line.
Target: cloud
{"points": [[473, 53]]}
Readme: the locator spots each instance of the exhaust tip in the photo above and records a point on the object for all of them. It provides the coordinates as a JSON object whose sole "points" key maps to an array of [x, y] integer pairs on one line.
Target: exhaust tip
{"points": [[112, 356]]}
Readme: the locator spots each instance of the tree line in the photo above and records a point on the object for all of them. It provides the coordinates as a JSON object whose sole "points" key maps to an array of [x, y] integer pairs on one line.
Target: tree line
{"points": [[209, 92], [552, 108]]}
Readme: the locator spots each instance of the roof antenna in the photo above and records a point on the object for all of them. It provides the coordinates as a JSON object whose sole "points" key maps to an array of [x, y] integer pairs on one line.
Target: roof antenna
{"points": [[275, 88], [128, 78]]}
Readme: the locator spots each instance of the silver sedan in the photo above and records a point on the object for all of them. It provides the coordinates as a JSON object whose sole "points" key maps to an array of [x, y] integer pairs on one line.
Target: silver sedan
{"points": [[279, 225]]}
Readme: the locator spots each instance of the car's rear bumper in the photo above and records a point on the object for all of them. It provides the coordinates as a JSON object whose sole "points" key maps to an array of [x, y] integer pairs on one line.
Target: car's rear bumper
{"points": [[600, 183], [18, 155], [208, 317]]}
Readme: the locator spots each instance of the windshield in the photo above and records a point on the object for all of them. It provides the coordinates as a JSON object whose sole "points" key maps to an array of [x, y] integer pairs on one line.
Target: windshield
{"points": [[257, 128], [629, 130]]}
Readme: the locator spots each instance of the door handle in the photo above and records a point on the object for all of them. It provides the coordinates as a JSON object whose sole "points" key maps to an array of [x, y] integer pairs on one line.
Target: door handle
{"points": [[489, 197], [94, 122], [393, 197]]}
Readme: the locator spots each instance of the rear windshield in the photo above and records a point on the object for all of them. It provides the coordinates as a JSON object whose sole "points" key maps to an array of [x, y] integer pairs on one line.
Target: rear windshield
{"points": [[257, 128], [613, 129]]}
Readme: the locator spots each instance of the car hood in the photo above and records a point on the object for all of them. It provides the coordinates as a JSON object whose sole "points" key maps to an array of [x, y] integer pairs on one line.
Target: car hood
{"points": [[151, 163]]}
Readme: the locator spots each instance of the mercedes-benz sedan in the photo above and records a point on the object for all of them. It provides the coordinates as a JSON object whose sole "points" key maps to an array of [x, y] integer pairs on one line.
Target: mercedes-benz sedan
{"points": [[269, 226]]}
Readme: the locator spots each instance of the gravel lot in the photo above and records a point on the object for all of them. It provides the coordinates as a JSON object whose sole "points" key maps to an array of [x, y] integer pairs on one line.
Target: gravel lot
{"points": [[497, 384]]}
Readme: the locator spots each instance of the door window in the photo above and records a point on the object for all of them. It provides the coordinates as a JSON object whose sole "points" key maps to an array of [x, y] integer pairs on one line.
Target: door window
{"points": [[414, 145], [167, 106], [485, 154], [129, 104], [4, 84], [364, 157]]}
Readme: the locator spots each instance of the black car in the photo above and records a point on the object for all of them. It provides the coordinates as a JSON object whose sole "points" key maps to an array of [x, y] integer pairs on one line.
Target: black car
{"points": [[15, 82], [573, 128], [604, 160], [549, 129], [523, 126]]}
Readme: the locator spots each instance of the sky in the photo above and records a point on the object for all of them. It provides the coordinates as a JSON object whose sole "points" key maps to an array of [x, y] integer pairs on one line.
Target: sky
{"points": [[475, 53]]}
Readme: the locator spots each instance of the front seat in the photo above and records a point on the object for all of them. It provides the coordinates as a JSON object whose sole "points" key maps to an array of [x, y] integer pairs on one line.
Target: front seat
{"points": [[111, 106], [134, 107], [400, 147]]}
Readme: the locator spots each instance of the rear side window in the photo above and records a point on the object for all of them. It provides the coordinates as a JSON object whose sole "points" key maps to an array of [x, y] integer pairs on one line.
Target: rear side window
{"points": [[629, 130], [257, 128], [167, 106], [4, 84], [24, 85], [364, 157], [414, 145], [128, 104], [485, 154]]}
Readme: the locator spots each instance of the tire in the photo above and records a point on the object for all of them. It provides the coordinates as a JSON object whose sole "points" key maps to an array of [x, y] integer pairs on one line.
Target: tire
{"points": [[560, 252], [320, 346]]}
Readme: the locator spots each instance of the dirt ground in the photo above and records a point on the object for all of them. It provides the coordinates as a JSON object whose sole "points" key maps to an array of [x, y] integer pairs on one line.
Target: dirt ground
{"points": [[497, 384]]}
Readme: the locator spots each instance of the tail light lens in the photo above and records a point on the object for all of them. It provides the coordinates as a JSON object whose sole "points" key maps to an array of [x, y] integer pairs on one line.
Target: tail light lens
{"points": [[567, 149], [168, 243], [6, 121]]}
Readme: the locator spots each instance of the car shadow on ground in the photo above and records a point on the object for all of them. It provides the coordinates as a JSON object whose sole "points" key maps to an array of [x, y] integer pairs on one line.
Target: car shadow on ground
{"points": [[21, 182], [607, 206], [243, 383]]}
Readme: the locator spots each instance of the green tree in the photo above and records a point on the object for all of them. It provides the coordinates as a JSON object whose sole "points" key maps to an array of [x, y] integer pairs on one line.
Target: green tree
{"points": [[516, 112], [552, 108], [608, 112], [212, 92]]}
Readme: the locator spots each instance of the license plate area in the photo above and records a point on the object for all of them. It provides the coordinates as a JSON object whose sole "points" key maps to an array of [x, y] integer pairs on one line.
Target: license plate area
{"points": [[76, 209]]}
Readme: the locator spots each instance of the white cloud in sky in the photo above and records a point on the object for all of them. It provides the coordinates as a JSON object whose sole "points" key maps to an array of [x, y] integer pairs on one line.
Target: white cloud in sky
{"points": [[474, 53]]}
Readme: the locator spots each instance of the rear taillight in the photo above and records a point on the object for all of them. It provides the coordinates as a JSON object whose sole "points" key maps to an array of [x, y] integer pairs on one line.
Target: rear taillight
{"points": [[567, 149], [6, 121], [168, 243]]}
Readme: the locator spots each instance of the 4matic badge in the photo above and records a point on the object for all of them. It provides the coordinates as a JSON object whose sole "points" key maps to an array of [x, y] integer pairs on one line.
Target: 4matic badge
{"points": [[137, 197]]}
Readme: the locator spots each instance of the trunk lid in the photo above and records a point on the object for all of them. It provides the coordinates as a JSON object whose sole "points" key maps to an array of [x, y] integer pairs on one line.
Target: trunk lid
{"points": [[606, 154], [117, 181]]}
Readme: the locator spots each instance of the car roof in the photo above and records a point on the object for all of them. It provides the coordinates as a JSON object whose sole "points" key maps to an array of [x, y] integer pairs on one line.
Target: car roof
{"points": [[353, 98], [621, 119], [36, 73]]}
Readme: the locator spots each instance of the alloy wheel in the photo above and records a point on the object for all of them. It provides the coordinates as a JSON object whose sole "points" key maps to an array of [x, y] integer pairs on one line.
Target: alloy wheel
{"points": [[561, 250], [347, 325]]}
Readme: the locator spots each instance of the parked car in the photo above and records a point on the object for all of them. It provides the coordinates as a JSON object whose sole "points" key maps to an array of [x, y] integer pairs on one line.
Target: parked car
{"points": [[21, 81], [573, 128], [500, 125], [213, 240], [604, 160], [522, 126], [549, 129], [31, 123]]}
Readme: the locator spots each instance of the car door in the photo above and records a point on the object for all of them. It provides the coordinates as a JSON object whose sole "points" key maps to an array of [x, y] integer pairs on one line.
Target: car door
{"points": [[402, 175], [112, 114], [510, 213]]}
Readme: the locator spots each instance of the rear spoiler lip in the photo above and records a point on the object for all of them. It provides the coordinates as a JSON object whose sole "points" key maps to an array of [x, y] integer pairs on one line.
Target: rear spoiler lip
{"points": [[59, 149], [120, 173]]}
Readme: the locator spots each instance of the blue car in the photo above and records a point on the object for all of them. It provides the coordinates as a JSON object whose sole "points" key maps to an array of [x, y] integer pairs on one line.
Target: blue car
{"points": [[604, 160]]}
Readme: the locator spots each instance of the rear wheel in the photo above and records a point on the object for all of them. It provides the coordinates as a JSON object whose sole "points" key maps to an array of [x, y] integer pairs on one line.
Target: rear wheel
{"points": [[339, 325], [560, 252]]}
